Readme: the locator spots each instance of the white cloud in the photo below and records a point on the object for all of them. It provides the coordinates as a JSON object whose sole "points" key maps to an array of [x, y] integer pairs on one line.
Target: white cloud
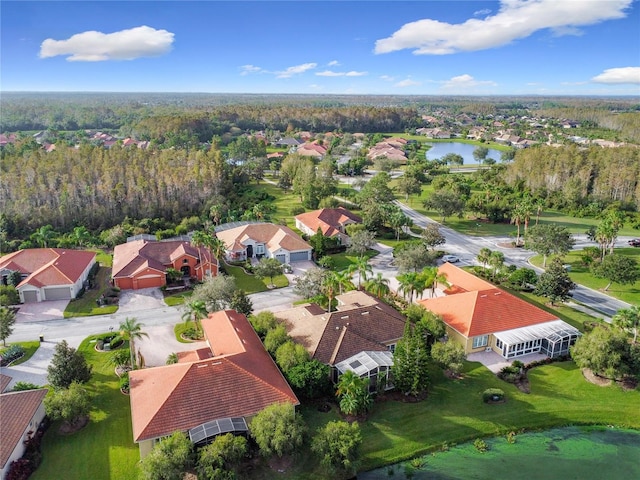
{"points": [[387, 78], [466, 82], [95, 46], [295, 70], [481, 13], [333, 63], [248, 69], [407, 83], [619, 75], [331, 73], [516, 19]]}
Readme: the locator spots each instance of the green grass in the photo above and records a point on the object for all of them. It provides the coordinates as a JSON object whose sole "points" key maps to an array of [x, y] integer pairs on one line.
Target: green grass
{"points": [[177, 298], [29, 349], [103, 258], [582, 275], [251, 284], [179, 329], [344, 260], [104, 449], [283, 203], [86, 305]]}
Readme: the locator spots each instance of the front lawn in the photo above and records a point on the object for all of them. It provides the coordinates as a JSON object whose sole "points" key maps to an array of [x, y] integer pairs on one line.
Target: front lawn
{"points": [[29, 349], [252, 284], [582, 275], [176, 299], [104, 449], [342, 261], [87, 304]]}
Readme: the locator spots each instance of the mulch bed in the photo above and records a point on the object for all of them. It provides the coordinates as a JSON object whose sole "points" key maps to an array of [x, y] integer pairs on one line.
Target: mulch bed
{"points": [[627, 383], [69, 429]]}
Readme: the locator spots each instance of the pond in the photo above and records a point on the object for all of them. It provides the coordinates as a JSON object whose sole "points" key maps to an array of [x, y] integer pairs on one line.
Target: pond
{"points": [[571, 452], [465, 150]]}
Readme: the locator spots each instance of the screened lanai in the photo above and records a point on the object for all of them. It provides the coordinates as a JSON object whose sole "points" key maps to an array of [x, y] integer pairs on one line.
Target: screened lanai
{"points": [[551, 338], [372, 365], [205, 433]]}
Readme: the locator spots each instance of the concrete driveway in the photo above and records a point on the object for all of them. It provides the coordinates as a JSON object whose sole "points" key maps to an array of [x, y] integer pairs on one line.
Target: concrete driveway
{"points": [[41, 311], [142, 299], [161, 342]]}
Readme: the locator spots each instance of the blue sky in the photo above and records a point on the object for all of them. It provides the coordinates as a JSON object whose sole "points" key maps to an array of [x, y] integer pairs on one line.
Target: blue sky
{"points": [[512, 47]]}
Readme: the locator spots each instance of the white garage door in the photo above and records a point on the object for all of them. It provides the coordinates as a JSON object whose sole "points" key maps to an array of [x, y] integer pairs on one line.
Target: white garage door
{"points": [[30, 296], [59, 293], [299, 256], [281, 258]]}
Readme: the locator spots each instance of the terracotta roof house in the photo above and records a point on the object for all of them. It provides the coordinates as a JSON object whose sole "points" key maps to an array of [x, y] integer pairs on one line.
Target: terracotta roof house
{"points": [[310, 149], [20, 416], [209, 392], [143, 263], [257, 240], [483, 317], [362, 323], [331, 221], [48, 273]]}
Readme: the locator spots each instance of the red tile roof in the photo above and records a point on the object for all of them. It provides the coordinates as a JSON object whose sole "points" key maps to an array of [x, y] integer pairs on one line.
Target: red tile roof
{"points": [[16, 411], [5, 380], [239, 380], [328, 219], [48, 266], [132, 257], [480, 308]]}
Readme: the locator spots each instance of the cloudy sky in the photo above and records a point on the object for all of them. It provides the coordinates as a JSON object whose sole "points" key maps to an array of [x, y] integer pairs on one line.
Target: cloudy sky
{"points": [[576, 47]]}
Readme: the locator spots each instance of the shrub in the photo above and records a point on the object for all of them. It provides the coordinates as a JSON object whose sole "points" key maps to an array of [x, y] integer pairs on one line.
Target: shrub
{"points": [[297, 210], [116, 341], [492, 395], [124, 382], [480, 445], [11, 353]]}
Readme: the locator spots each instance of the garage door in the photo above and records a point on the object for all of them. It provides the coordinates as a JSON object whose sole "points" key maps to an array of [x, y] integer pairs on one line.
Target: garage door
{"points": [[59, 293], [149, 282], [281, 258], [30, 296], [299, 256]]}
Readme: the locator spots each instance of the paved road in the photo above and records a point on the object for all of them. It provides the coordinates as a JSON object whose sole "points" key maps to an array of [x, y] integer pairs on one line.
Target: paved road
{"points": [[467, 248]]}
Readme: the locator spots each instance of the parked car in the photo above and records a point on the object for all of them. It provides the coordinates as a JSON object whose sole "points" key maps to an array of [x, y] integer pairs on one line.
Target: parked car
{"points": [[450, 258], [635, 242]]}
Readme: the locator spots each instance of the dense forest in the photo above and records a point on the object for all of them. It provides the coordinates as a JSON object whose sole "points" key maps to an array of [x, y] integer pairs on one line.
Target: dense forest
{"points": [[573, 177]]}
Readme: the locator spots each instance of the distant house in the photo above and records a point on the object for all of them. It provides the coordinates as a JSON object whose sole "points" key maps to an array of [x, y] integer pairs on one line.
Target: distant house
{"points": [[21, 413], [312, 149], [209, 391], [257, 240], [48, 273], [143, 263], [287, 142], [331, 221], [482, 317], [362, 332]]}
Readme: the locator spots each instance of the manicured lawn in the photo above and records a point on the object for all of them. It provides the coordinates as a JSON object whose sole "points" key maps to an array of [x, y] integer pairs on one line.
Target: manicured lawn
{"points": [[251, 284], [104, 449], [177, 298], [86, 305], [179, 329], [284, 203], [344, 260], [582, 275], [29, 349]]}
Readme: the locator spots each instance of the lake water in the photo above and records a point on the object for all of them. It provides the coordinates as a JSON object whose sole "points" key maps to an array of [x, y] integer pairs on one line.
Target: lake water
{"points": [[585, 453], [465, 150]]}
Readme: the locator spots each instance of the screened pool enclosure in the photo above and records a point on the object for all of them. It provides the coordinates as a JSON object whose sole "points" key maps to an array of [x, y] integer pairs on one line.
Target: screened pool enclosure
{"points": [[551, 338]]}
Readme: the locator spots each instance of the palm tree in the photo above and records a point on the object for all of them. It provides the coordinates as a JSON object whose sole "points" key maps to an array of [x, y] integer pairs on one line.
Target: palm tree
{"points": [[377, 285], [131, 330], [432, 277], [483, 256], [343, 277], [628, 319], [196, 310], [44, 235], [411, 282], [517, 218], [496, 260], [362, 267], [81, 236], [329, 286]]}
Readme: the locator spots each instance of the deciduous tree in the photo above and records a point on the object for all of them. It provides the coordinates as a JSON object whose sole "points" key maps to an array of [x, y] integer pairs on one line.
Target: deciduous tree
{"points": [[170, 458], [67, 366], [278, 430], [219, 459], [71, 405], [547, 239], [268, 268], [337, 444], [555, 283], [617, 269], [7, 320]]}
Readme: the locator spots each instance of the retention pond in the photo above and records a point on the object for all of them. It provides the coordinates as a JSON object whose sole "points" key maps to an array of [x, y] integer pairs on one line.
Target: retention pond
{"points": [[563, 453]]}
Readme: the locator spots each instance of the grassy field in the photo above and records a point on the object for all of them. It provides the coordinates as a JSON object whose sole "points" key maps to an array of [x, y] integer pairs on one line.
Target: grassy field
{"points": [[104, 449], [284, 203], [252, 284], [344, 260], [582, 275]]}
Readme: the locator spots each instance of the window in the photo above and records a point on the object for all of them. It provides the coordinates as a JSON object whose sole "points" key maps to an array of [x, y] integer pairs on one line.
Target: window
{"points": [[392, 347], [481, 341], [185, 260], [259, 249]]}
